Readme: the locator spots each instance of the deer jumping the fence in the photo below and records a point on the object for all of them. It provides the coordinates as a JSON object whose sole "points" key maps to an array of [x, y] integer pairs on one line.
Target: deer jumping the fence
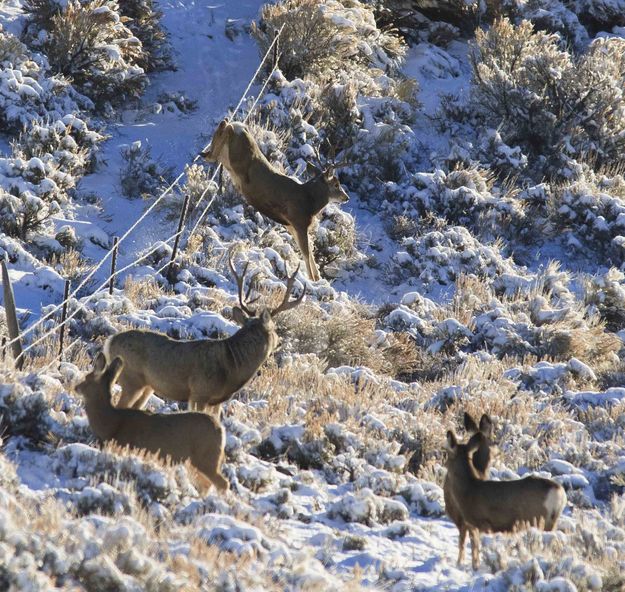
{"points": [[497, 506], [196, 437], [203, 372], [281, 198], [481, 461]]}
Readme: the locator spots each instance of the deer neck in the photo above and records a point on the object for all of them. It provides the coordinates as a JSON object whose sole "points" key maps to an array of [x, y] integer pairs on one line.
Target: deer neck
{"points": [[462, 475], [319, 194], [248, 349], [103, 417]]}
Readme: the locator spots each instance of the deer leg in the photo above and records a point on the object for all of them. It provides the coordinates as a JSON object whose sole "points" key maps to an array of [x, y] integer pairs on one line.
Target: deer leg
{"points": [[462, 537], [303, 241], [475, 547], [203, 481], [132, 390], [214, 411], [212, 468], [143, 398]]}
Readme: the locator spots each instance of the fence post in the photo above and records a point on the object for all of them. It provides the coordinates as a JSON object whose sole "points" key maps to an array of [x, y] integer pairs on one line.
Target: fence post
{"points": [[113, 264], [174, 252], [4, 348], [63, 318], [11, 314]]}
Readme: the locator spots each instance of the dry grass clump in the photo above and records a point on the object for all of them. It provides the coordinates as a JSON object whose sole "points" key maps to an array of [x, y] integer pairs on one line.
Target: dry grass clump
{"points": [[71, 265], [346, 336], [144, 291]]}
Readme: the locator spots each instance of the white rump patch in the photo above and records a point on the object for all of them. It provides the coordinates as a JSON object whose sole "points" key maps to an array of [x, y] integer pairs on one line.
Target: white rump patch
{"points": [[555, 502]]}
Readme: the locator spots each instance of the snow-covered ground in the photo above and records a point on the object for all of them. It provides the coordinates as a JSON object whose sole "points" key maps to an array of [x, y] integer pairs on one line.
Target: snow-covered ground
{"points": [[336, 468]]}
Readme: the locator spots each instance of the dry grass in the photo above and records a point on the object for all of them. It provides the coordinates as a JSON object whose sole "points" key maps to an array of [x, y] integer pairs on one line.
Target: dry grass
{"points": [[144, 291]]}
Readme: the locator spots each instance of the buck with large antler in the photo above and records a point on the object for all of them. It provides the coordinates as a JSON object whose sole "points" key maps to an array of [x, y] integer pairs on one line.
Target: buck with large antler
{"points": [[204, 372], [279, 197]]}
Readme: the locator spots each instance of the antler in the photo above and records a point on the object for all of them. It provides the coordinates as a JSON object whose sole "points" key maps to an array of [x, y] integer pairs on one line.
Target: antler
{"points": [[240, 278], [287, 304], [347, 160], [331, 163]]}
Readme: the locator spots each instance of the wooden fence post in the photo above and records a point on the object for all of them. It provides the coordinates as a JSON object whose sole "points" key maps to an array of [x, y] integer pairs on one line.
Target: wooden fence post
{"points": [[113, 264], [11, 314], [174, 252]]}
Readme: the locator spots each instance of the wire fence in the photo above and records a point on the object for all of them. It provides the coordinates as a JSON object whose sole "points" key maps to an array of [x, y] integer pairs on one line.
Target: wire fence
{"points": [[156, 246]]}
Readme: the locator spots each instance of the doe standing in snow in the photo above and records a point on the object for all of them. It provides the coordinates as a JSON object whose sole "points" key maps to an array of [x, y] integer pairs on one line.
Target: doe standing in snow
{"points": [[279, 197], [196, 437], [481, 462], [497, 506], [203, 372]]}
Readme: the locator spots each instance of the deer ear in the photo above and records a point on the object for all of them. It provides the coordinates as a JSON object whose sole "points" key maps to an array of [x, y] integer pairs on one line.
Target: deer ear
{"points": [[451, 443], [238, 316], [475, 442], [486, 425], [99, 363], [469, 423], [111, 374]]}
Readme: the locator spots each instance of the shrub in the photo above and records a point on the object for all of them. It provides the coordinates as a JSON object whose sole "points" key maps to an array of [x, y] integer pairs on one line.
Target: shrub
{"points": [[601, 14], [441, 257], [30, 192], [592, 209], [605, 294], [142, 176], [89, 43], [145, 24], [320, 39], [466, 196], [67, 143], [28, 91], [335, 239], [545, 100]]}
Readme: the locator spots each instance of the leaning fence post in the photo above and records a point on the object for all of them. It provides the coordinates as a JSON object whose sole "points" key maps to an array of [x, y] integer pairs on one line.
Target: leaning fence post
{"points": [[113, 264], [11, 314], [63, 318], [174, 252]]}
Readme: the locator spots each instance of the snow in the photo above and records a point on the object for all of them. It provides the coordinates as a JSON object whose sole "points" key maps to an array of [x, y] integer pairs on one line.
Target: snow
{"points": [[312, 506]]}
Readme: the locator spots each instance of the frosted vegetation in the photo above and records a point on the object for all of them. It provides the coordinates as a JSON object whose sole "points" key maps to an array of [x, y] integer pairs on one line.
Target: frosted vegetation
{"points": [[479, 266]]}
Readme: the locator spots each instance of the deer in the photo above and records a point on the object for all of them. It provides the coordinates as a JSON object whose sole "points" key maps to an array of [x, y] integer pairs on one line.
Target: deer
{"points": [[481, 461], [497, 506], [281, 198], [196, 437], [202, 372]]}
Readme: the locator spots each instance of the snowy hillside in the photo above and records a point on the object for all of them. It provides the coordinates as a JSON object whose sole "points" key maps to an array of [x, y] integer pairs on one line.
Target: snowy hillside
{"points": [[478, 266]]}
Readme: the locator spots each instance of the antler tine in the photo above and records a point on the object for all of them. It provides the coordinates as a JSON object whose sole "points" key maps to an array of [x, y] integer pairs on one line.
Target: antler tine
{"points": [[250, 283], [239, 278], [287, 304]]}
